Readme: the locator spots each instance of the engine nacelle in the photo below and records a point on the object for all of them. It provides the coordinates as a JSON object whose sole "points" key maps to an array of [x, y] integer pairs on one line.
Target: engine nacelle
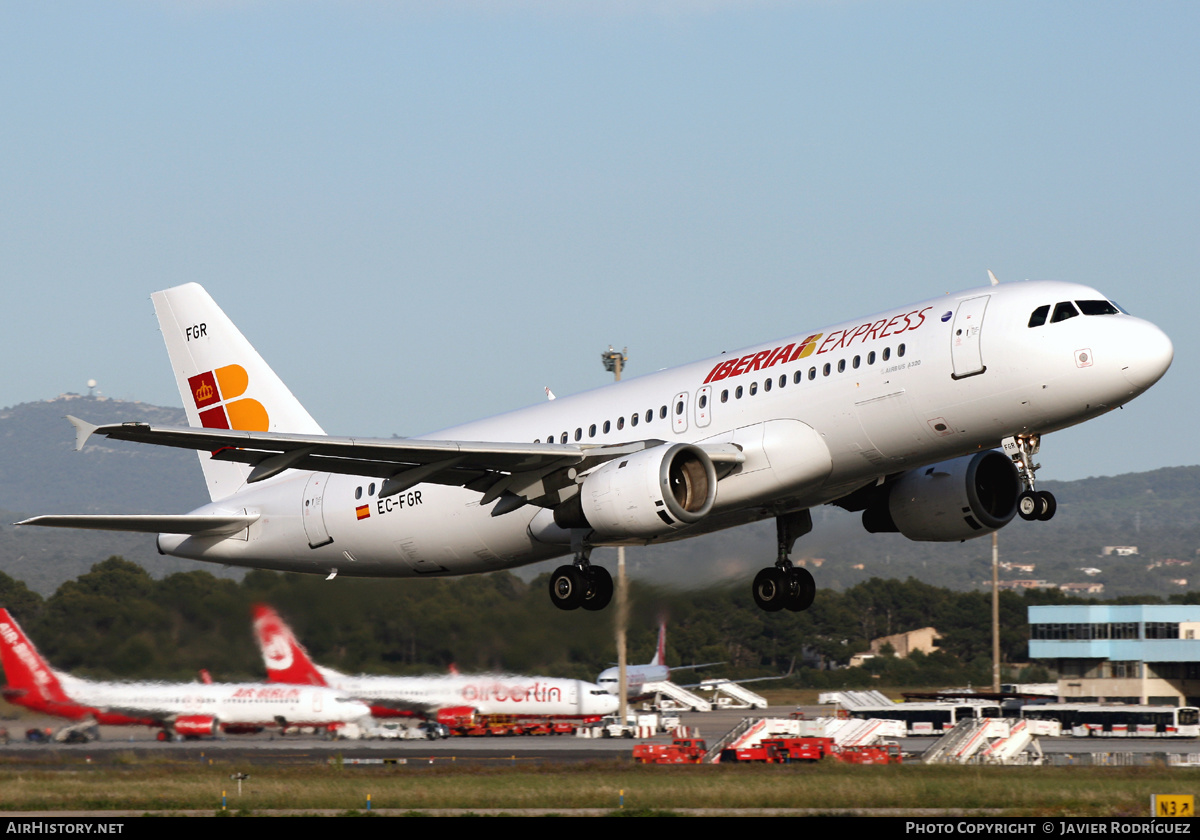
{"points": [[950, 501], [647, 494], [195, 726]]}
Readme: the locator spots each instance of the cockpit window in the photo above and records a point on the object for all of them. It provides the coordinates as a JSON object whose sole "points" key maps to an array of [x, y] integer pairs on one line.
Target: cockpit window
{"points": [[1039, 316], [1096, 307], [1063, 311]]}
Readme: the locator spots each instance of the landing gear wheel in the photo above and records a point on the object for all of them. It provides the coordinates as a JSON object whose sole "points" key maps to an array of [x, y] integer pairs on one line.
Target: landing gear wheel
{"points": [[1029, 506], [1046, 505], [802, 589], [568, 588], [770, 589], [599, 590]]}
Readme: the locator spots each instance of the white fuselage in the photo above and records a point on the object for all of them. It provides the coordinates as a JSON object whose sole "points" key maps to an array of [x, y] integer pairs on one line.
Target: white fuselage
{"points": [[486, 694], [236, 704], [816, 416]]}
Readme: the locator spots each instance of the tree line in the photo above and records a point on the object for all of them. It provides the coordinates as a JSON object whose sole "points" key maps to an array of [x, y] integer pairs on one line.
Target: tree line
{"points": [[117, 622]]}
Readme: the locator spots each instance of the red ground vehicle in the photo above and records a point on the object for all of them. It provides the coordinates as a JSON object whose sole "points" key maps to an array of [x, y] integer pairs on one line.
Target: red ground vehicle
{"points": [[785, 750], [679, 751], [881, 754]]}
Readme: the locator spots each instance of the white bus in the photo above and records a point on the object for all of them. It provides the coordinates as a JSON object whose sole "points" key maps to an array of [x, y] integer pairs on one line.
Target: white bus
{"points": [[930, 718], [1091, 719]]}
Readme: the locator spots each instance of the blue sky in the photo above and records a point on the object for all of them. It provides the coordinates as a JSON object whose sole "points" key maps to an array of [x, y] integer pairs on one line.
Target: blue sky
{"points": [[422, 213]]}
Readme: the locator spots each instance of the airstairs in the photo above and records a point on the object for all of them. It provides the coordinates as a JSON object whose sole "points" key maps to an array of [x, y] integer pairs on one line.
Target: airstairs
{"points": [[667, 695], [991, 741], [845, 733], [730, 695], [851, 700]]}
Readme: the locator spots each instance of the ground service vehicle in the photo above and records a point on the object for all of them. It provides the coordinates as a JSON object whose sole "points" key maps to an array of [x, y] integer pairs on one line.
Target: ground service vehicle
{"points": [[679, 751], [1084, 719]]}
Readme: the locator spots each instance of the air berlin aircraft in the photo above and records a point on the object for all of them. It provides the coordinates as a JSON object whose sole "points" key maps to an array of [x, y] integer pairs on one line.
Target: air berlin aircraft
{"points": [[188, 709], [925, 418], [446, 698]]}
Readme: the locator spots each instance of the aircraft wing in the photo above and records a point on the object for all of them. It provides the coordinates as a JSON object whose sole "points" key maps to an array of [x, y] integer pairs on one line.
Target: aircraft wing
{"points": [[196, 525], [527, 472]]}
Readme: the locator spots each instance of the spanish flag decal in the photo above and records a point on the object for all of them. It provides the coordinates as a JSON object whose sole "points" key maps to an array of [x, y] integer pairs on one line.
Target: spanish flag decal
{"points": [[363, 511]]}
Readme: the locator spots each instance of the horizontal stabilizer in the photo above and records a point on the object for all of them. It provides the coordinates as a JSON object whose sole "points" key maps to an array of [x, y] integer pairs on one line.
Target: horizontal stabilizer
{"points": [[207, 525]]}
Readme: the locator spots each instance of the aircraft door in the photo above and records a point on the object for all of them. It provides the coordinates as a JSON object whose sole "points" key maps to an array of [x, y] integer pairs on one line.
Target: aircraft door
{"points": [[314, 513], [704, 406], [965, 354], [679, 413]]}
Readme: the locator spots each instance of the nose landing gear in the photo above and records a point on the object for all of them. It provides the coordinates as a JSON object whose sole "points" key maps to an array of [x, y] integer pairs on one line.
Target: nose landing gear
{"points": [[784, 586], [1032, 503]]}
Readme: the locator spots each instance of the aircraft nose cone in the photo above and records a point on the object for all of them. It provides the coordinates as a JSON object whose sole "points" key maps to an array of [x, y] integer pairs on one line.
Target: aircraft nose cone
{"points": [[1147, 355]]}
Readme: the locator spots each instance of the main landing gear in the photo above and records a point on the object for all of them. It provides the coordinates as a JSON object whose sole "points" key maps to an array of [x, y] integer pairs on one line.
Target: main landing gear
{"points": [[784, 586], [1032, 503], [581, 584]]}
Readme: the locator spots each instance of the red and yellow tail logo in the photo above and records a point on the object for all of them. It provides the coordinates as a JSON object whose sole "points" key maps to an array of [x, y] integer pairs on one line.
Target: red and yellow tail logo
{"points": [[215, 393], [806, 348]]}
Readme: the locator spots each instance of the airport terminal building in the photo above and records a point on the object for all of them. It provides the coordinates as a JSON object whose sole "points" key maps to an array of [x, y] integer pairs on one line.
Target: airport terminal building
{"points": [[1120, 654]]}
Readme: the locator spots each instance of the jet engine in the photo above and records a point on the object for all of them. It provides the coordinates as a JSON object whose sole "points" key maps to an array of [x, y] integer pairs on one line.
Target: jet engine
{"points": [[950, 501], [195, 726], [647, 494]]}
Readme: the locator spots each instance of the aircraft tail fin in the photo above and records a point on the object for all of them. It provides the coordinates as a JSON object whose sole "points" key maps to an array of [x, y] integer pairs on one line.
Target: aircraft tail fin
{"points": [[223, 381], [660, 652], [31, 681], [286, 659]]}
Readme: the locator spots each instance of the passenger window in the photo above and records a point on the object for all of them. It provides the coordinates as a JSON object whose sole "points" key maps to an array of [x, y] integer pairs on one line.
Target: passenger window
{"points": [[703, 400], [798, 376], [737, 393], [662, 412], [825, 370], [649, 414], [782, 379], [887, 353], [679, 407], [578, 434], [1063, 311], [767, 384], [371, 489], [620, 423], [592, 430], [841, 365], [563, 439], [857, 359], [358, 492], [633, 419], [812, 373], [900, 351], [1039, 316], [871, 358], [725, 395], [753, 388], [607, 426]]}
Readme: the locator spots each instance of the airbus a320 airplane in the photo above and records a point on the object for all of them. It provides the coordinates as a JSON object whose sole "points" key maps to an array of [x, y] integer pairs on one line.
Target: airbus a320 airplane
{"points": [[446, 698], [925, 418], [187, 709]]}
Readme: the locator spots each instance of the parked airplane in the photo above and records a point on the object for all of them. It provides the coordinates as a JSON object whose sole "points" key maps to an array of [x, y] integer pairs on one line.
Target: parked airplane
{"points": [[897, 415], [443, 697], [188, 709], [637, 676]]}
